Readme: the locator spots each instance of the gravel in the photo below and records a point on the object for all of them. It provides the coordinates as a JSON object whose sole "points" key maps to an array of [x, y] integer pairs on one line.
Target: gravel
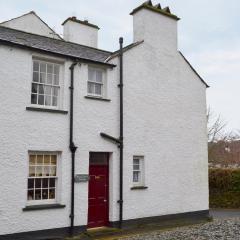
{"points": [[227, 229]]}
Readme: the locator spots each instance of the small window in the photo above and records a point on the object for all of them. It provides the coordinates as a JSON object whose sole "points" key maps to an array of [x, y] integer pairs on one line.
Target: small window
{"points": [[42, 177], [45, 84], [138, 171], [96, 82]]}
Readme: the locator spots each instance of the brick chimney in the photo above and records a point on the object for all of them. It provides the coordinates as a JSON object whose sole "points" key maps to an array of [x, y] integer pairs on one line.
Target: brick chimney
{"points": [[155, 25], [80, 32]]}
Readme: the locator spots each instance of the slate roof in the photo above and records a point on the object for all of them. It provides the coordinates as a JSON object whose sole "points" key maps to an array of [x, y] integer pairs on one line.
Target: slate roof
{"points": [[55, 46]]}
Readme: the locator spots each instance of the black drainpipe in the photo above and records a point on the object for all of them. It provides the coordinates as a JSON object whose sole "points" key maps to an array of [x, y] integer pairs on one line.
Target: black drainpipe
{"points": [[121, 134], [72, 147]]}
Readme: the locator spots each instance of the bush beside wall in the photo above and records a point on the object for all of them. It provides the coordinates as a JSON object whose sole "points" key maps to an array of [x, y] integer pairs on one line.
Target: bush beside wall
{"points": [[224, 187]]}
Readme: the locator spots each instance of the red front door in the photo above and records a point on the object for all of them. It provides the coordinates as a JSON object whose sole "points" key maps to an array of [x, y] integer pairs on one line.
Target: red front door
{"points": [[98, 190]]}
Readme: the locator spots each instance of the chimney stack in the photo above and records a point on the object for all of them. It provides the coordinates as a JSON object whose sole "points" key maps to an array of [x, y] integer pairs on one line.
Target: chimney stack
{"points": [[80, 32], [155, 25]]}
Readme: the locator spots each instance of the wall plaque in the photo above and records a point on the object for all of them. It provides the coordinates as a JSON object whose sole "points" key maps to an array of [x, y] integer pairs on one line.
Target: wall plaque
{"points": [[81, 178]]}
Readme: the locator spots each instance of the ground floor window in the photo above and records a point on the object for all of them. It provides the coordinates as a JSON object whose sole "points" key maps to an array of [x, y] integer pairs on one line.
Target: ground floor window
{"points": [[138, 170], [42, 177]]}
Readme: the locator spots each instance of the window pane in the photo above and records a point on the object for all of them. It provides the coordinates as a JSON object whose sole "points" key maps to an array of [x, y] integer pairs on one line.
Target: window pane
{"points": [[42, 77], [45, 183], [136, 167], [31, 171], [46, 171], [34, 87], [37, 194], [54, 101], [32, 159], [136, 176], [48, 90], [55, 91], [98, 89], [30, 195], [99, 76], [52, 182], [53, 171], [41, 89], [52, 194], [34, 99], [49, 68], [39, 171], [90, 87], [47, 159], [45, 194], [48, 100], [91, 74], [41, 99], [43, 68], [35, 77], [56, 79], [56, 69], [53, 159], [49, 78], [35, 66], [136, 161], [39, 159], [30, 183], [38, 183]]}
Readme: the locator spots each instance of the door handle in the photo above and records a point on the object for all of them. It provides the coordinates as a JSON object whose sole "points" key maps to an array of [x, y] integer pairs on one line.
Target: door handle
{"points": [[105, 200]]}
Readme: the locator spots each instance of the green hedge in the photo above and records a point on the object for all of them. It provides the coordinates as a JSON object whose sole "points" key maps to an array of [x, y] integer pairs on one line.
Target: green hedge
{"points": [[224, 188]]}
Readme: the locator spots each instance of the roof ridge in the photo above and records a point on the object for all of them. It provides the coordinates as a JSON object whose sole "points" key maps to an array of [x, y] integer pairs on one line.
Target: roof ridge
{"points": [[30, 12], [61, 40]]}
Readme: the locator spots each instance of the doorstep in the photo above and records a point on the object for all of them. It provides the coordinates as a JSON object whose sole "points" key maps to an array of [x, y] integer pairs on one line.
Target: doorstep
{"points": [[99, 232]]}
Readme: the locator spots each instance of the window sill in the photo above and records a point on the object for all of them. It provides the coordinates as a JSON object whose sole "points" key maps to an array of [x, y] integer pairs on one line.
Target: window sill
{"points": [[98, 98], [39, 109], [42, 207], [138, 188]]}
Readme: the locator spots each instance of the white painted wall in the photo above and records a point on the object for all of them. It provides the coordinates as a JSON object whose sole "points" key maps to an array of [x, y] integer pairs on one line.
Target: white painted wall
{"points": [[164, 120], [80, 33], [32, 24], [23, 130]]}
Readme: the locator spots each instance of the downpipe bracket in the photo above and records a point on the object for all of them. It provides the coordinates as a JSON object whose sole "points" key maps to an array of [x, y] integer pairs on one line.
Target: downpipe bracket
{"points": [[72, 147]]}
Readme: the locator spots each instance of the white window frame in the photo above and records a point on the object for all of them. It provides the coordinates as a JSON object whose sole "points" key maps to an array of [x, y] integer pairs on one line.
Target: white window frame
{"points": [[59, 86], [57, 179], [103, 84], [141, 171]]}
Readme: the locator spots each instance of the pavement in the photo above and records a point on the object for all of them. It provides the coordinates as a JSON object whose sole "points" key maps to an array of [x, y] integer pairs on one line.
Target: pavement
{"points": [[225, 225], [225, 213]]}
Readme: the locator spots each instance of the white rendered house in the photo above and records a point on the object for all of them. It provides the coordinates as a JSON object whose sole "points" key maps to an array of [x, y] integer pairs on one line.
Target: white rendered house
{"points": [[94, 138]]}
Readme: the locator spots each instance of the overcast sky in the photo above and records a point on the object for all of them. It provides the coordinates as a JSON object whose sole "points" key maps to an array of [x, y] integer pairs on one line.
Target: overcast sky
{"points": [[209, 36]]}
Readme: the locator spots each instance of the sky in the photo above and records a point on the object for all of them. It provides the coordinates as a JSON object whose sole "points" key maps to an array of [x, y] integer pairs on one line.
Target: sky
{"points": [[208, 35]]}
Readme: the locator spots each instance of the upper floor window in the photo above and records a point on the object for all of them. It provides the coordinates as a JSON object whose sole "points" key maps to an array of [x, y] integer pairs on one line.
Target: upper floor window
{"points": [[45, 84], [96, 81]]}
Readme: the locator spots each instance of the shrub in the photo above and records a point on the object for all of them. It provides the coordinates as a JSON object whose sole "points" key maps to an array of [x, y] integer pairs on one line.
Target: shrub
{"points": [[224, 188]]}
